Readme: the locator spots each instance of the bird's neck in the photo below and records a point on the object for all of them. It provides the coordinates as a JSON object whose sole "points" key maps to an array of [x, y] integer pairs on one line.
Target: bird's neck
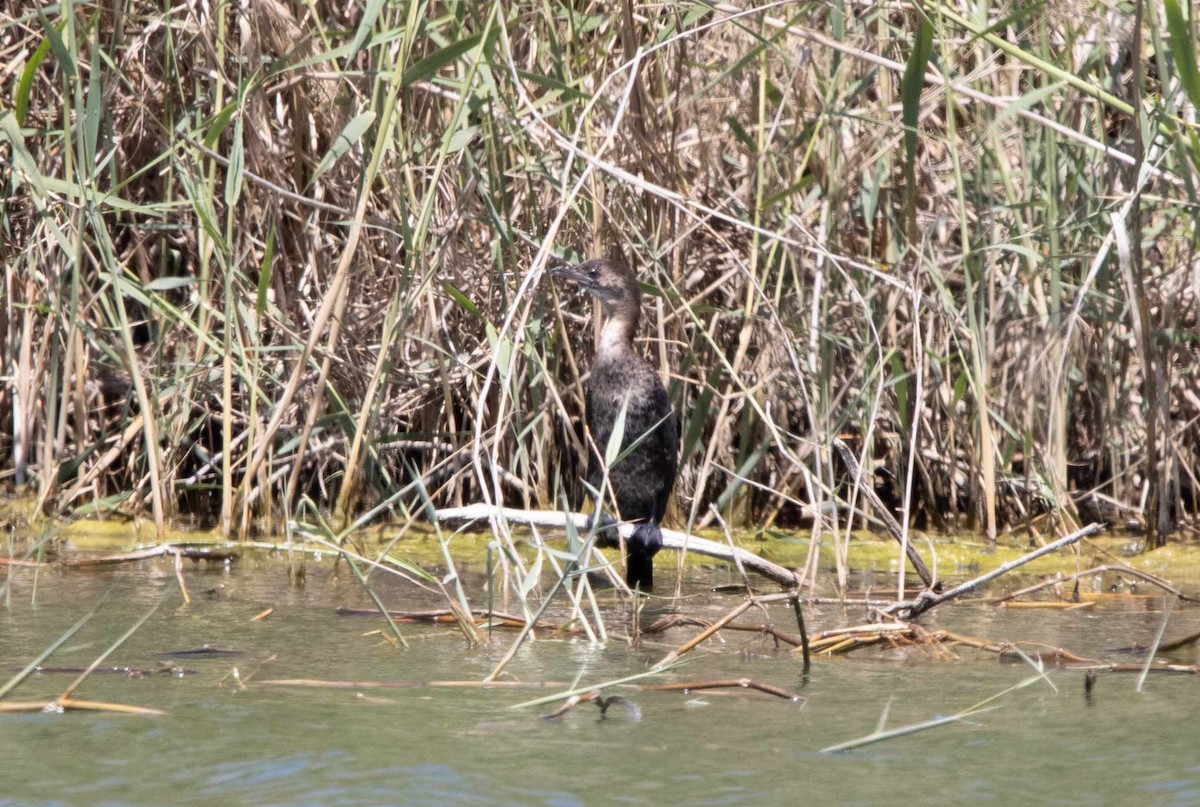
{"points": [[620, 326]]}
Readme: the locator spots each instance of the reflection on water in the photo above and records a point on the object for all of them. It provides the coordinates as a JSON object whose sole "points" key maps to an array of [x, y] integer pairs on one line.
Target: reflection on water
{"points": [[440, 745]]}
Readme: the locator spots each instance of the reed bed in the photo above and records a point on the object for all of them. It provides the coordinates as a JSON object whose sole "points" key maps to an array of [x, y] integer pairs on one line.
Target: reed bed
{"points": [[265, 252]]}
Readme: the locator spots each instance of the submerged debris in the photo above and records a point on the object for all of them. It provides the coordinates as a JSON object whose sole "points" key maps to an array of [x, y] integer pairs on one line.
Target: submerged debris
{"points": [[207, 651], [164, 668]]}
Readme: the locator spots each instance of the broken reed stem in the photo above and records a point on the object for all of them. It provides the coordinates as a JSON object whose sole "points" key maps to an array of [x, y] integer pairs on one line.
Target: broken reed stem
{"points": [[724, 621], [726, 683], [1154, 647], [830, 642], [845, 640], [794, 599], [70, 690], [737, 562], [803, 631], [57, 643], [914, 608], [179, 577], [879, 736], [587, 689], [192, 551], [72, 705], [319, 683], [884, 513], [1123, 569], [446, 616], [689, 645], [525, 630]]}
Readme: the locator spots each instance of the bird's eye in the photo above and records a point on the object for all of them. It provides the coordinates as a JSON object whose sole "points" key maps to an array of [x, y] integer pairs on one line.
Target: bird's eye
{"points": [[594, 272]]}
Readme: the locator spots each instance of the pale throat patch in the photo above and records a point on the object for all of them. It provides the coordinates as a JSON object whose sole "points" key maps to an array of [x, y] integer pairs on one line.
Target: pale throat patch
{"points": [[615, 336]]}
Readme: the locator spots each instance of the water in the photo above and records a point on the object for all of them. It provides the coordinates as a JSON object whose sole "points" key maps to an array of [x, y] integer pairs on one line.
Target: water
{"points": [[439, 745]]}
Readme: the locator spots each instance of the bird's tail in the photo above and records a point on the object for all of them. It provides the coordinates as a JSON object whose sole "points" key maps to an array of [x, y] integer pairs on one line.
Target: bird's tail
{"points": [[641, 547]]}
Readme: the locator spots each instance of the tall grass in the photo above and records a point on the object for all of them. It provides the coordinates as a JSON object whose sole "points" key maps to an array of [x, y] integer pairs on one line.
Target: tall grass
{"points": [[253, 253]]}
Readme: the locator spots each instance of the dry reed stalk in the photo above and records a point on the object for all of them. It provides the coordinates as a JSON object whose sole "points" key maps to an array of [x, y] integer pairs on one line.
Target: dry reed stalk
{"points": [[731, 683], [1123, 569], [72, 704], [326, 684]]}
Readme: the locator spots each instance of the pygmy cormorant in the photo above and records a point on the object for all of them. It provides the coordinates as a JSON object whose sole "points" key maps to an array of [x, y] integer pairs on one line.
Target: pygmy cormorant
{"points": [[641, 481]]}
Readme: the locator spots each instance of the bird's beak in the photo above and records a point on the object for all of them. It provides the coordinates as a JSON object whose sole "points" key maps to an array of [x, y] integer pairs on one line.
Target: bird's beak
{"points": [[571, 275]]}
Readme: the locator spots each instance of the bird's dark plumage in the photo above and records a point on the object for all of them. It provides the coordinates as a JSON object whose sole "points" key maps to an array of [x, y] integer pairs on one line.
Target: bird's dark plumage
{"points": [[642, 479]]}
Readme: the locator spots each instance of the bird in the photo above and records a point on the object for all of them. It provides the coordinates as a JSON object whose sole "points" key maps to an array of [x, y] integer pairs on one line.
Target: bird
{"points": [[641, 480]]}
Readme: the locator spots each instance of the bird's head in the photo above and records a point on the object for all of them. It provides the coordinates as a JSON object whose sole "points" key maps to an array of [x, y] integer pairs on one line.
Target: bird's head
{"points": [[609, 280]]}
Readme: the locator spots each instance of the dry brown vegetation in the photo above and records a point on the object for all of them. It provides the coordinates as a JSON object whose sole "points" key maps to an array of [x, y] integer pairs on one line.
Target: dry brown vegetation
{"points": [[264, 251]]}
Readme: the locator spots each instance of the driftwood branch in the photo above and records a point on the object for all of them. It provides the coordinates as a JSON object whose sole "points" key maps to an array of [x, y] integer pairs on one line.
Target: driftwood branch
{"points": [[1123, 569], [911, 609], [671, 539]]}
